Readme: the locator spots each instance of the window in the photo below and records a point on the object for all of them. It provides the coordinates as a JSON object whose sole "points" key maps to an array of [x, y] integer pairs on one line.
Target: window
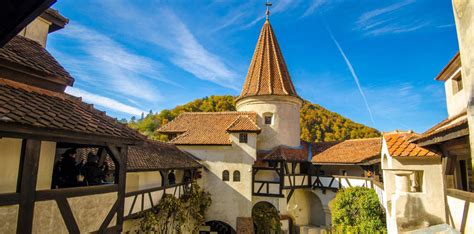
{"points": [[171, 178], [416, 182], [243, 137], [457, 84], [225, 175], [236, 176], [268, 118]]}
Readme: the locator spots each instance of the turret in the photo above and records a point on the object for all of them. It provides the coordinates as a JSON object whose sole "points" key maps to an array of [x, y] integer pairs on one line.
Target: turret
{"points": [[269, 91]]}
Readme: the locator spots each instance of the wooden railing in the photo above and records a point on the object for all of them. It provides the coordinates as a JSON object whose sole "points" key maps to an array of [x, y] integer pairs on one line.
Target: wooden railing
{"points": [[460, 206], [145, 199]]}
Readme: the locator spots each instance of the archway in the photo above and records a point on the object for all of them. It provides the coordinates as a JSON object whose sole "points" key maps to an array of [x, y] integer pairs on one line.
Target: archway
{"points": [[266, 218], [219, 227], [306, 209]]}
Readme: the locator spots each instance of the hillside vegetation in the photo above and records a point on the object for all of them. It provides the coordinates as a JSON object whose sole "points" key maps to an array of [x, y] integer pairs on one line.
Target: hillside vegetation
{"points": [[317, 123]]}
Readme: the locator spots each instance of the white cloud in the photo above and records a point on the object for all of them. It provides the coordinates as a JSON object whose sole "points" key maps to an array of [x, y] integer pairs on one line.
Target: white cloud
{"points": [[383, 20], [353, 73], [163, 28], [316, 4], [104, 101], [103, 62]]}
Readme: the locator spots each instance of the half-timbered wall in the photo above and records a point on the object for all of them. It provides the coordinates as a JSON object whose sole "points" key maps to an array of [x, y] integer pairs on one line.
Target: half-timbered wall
{"points": [[28, 204]]}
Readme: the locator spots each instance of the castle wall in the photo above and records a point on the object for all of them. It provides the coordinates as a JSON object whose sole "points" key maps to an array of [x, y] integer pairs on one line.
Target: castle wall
{"points": [[456, 102], [285, 127], [406, 209], [230, 199]]}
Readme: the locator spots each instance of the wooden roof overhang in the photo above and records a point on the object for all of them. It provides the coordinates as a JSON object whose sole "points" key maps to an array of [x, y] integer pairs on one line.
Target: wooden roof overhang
{"points": [[15, 15], [16, 130]]}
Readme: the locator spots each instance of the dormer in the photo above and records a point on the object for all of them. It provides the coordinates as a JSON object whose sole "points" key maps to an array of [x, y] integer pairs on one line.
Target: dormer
{"points": [[48, 22], [456, 100]]}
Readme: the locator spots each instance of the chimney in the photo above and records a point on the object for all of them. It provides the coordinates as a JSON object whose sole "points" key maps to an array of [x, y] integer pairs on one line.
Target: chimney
{"points": [[48, 22]]}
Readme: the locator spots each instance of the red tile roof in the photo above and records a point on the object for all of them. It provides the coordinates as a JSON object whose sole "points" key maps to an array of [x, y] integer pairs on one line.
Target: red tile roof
{"points": [[399, 145], [28, 53], [154, 155], [347, 152], [209, 128], [285, 153], [24, 105], [268, 73], [447, 126]]}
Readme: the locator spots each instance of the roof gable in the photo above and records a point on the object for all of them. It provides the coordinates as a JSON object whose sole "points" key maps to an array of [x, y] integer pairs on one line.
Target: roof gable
{"points": [[209, 128]]}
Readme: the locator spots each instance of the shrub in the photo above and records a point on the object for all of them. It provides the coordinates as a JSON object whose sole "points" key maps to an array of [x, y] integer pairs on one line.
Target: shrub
{"points": [[357, 210]]}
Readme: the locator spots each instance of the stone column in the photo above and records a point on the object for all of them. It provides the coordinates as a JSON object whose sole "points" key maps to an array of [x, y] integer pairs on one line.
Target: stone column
{"points": [[464, 18]]}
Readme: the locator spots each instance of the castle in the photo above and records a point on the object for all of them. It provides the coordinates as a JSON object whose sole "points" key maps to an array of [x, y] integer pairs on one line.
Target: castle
{"points": [[247, 159]]}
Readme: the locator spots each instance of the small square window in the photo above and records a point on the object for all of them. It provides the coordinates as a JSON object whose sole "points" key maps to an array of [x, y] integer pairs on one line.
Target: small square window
{"points": [[243, 137], [268, 119], [457, 84]]}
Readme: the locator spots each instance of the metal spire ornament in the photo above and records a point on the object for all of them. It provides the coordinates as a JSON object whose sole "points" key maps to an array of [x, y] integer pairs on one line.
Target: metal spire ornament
{"points": [[268, 5]]}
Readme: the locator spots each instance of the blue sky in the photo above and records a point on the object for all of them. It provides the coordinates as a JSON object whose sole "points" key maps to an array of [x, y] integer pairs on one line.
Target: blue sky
{"points": [[371, 61]]}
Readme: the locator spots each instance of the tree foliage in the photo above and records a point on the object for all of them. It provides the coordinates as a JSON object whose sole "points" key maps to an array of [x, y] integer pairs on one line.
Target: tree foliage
{"points": [[178, 215], [357, 210], [317, 123], [266, 218]]}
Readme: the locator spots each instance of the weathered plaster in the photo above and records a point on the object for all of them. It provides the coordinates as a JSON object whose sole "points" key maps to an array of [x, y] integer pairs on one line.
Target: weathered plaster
{"points": [[47, 218], [10, 150], [90, 211], [9, 218]]}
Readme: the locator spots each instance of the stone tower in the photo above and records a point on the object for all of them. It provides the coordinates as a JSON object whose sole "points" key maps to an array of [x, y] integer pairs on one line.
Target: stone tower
{"points": [[269, 91]]}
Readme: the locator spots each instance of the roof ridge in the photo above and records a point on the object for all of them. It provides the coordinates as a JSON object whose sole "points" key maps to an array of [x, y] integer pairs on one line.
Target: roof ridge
{"points": [[218, 112]]}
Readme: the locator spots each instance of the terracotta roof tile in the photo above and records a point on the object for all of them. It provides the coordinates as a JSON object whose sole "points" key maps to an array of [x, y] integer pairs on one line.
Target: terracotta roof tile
{"points": [[243, 124], [268, 73], [208, 128], [285, 153], [23, 51], [154, 155], [398, 145], [348, 151], [32, 106]]}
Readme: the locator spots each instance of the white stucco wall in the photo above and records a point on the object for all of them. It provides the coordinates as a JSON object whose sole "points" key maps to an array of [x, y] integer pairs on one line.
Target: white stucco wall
{"points": [[416, 208], [10, 150], [455, 102], [229, 199], [37, 30], [285, 127], [460, 213], [46, 165]]}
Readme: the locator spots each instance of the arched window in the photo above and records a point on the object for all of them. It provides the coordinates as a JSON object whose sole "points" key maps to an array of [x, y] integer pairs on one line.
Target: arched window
{"points": [[225, 175], [236, 175]]}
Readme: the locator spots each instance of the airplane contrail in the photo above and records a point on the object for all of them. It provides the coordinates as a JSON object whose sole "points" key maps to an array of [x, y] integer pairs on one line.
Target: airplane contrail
{"points": [[351, 69]]}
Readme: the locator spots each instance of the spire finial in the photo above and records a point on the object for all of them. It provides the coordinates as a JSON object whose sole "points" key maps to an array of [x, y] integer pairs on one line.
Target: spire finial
{"points": [[268, 5]]}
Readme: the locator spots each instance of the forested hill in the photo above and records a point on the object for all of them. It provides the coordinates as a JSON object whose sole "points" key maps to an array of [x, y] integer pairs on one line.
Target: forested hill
{"points": [[317, 123]]}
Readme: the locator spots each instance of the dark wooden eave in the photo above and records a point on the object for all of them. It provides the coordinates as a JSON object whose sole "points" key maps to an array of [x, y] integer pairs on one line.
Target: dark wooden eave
{"points": [[17, 14], [15, 130]]}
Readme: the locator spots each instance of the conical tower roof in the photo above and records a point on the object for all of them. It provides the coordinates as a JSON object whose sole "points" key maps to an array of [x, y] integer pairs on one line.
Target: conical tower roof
{"points": [[268, 74]]}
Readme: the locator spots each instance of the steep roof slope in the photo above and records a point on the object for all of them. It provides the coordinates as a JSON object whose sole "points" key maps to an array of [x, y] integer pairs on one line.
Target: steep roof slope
{"points": [[268, 73]]}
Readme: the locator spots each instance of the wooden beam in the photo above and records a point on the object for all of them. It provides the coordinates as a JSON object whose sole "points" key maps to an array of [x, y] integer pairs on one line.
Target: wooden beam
{"points": [[67, 215], [121, 183], [30, 153]]}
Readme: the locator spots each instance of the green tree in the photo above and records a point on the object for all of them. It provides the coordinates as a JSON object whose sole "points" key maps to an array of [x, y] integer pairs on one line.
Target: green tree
{"points": [[357, 210], [266, 218], [317, 123]]}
